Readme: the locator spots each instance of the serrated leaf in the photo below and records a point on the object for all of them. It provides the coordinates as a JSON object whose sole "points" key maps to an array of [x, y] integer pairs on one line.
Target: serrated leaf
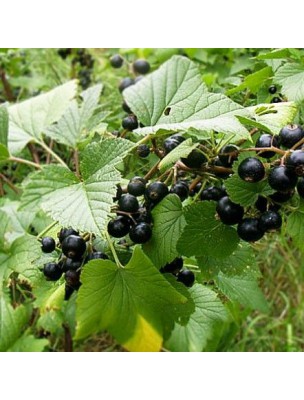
{"points": [[274, 54], [3, 126], [253, 81], [168, 223], [12, 322], [4, 153], [30, 118], [48, 295], [291, 77], [209, 312], [244, 289], [76, 119], [28, 343], [204, 234], [295, 226], [182, 150], [140, 293]]}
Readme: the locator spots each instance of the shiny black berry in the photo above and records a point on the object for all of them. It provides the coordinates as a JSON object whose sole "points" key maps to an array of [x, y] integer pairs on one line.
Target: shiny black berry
{"points": [[156, 191], [230, 213], [52, 271], [143, 216], [300, 187], [174, 267], [178, 137], [295, 162], [68, 291], [181, 189], [141, 66], [130, 122], [267, 140], [186, 277], [276, 100], [143, 150], [195, 159], [118, 194], [48, 244], [270, 221], [251, 170], [290, 135], [72, 264], [220, 174], [249, 230], [128, 203], [140, 233], [282, 197], [228, 154], [73, 247], [126, 108], [119, 227], [125, 83], [272, 89], [261, 204], [72, 279], [65, 232], [170, 144], [96, 255], [282, 179], [137, 186], [213, 193], [116, 61]]}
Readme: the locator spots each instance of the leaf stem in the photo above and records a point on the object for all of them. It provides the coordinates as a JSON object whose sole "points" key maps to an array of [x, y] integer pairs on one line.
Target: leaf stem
{"points": [[118, 263], [47, 229], [23, 161], [52, 153], [152, 171], [9, 183]]}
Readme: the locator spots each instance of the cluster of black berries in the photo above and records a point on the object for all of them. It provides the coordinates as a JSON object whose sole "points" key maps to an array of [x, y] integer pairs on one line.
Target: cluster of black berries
{"points": [[273, 91], [73, 257], [183, 275]]}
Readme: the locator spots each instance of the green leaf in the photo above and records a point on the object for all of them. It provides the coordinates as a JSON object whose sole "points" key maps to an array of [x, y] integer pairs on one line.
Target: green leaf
{"points": [[209, 312], [30, 118], [3, 126], [295, 226], [182, 150], [12, 322], [291, 77], [244, 289], [76, 120], [206, 235], [28, 343], [4, 154], [131, 302], [253, 81], [83, 204], [168, 223], [274, 54]]}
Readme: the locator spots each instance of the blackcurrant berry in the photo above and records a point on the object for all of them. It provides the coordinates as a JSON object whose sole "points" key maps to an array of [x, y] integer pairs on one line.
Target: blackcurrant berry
{"points": [[73, 247], [276, 100], [68, 291], [261, 204], [72, 264], [174, 267], [63, 53], [282, 197], [141, 66], [270, 221], [220, 174], [181, 190], [267, 140], [272, 89], [195, 159], [177, 137], [229, 212], [125, 83], [48, 244], [228, 154], [119, 227], [126, 108], [195, 190], [130, 122], [186, 277], [72, 279], [116, 61], [290, 135], [96, 255], [282, 179], [300, 187], [295, 162], [213, 193], [143, 216], [137, 186], [140, 233], [248, 230], [118, 194], [128, 203], [156, 191], [65, 232], [170, 144], [251, 170], [52, 271], [143, 150]]}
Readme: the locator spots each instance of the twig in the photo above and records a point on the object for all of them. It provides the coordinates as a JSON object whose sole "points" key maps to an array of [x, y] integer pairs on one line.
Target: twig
{"points": [[6, 86], [51, 152], [152, 171], [48, 156], [1, 189], [68, 341], [9, 183], [76, 163], [26, 162], [34, 153]]}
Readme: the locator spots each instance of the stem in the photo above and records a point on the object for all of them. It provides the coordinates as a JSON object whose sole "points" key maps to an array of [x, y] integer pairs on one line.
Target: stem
{"points": [[34, 153], [263, 149], [118, 263], [50, 151], [47, 229], [9, 183], [48, 157], [1, 189], [68, 341], [156, 150], [143, 140], [152, 171], [76, 163], [6, 86], [26, 162]]}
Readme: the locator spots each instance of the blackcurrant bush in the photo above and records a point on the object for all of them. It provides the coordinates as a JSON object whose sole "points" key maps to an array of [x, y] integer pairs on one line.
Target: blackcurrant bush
{"points": [[276, 99], [282, 179], [174, 267], [116, 61], [290, 135], [141, 66], [48, 244], [248, 230], [143, 150], [295, 162], [272, 89], [213, 193], [251, 170], [96, 255], [156, 191], [128, 203], [300, 187], [170, 144], [119, 227], [181, 190], [137, 186], [282, 197], [125, 83], [73, 247], [140, 233], [267, 140], [186, 277], [228, 154], [72, 279], [52, 271], [230, 213], [270, 221], [65, 232], [130, 122], [195, 159]]}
